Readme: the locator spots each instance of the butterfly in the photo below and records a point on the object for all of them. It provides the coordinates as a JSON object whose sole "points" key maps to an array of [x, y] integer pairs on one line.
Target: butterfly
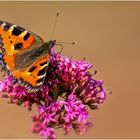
{"points": [[24, 55]]}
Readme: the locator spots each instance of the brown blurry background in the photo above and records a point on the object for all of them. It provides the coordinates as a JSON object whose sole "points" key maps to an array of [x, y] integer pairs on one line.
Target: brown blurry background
{"points": [[108, 35]]}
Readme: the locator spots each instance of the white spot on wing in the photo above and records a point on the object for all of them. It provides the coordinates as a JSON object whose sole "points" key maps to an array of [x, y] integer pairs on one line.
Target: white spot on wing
{"points": [[23, 33], [40, 83], [3, 24], [11, 28]]}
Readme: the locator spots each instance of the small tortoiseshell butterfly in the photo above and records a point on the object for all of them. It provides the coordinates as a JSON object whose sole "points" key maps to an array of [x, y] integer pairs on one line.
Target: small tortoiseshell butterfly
{"points": [[24, 55]]}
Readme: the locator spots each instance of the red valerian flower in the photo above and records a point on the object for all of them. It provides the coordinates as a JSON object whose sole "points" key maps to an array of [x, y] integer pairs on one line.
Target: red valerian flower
{"points": [[63, 101]]}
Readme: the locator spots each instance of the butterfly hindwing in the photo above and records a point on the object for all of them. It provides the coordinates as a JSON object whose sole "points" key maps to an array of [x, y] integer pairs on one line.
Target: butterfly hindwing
{"points": [[34, 76]]}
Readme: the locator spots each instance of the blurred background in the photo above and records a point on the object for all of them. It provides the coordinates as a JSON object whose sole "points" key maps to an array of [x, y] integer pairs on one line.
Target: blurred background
{"points": [[108, 35]]}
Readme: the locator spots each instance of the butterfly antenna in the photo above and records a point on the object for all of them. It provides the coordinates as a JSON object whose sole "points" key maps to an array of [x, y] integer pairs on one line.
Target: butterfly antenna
{"points": [[73, 43], [61, 44], [57, 14]]}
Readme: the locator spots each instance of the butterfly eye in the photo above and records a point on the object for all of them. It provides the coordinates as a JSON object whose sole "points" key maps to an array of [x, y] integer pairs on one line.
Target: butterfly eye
{"points": [[18, 46]]}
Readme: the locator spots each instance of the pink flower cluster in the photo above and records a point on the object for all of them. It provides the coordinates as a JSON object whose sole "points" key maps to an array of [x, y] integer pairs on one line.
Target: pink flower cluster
{"points": [[69, 91]]}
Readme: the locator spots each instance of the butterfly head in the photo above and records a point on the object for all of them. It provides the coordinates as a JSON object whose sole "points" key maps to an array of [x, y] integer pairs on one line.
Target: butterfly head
{"points": [[51, 43]]}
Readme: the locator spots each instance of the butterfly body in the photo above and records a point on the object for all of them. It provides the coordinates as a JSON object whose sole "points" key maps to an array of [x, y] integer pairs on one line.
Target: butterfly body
{"points": [[24, 55]]}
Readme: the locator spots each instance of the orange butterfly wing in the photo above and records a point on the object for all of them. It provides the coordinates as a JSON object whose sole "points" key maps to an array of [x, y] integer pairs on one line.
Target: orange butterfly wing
{"points": [[34, 76], [15, 39]]}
